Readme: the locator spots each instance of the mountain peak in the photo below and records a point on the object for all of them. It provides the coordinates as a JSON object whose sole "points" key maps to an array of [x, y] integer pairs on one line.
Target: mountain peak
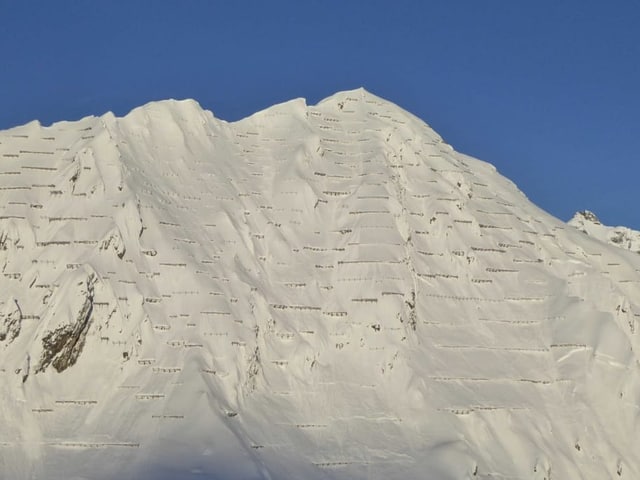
{"points": [[586, 215], [325, 291]]}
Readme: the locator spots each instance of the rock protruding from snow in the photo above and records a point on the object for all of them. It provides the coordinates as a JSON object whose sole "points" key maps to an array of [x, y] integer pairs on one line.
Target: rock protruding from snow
{"points": [[587, 216], [10, 321], [63, 334], [622, 237], [113, 241]]}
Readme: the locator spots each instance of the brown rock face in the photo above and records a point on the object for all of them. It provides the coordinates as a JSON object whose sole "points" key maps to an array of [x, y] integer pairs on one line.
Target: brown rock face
{"points": [[10, 322], [63, 346]]}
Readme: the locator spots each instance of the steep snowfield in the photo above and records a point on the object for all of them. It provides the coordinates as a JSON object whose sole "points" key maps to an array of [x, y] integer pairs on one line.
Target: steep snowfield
{"points": [[313, 292]]}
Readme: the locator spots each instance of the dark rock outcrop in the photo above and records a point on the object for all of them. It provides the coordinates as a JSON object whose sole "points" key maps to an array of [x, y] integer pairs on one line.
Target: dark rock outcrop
{"points": [[63, 345], [10, 321]]}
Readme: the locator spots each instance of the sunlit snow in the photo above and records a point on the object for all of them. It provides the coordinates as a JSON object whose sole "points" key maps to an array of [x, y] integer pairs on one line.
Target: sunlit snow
{"points": [[313, 292]]}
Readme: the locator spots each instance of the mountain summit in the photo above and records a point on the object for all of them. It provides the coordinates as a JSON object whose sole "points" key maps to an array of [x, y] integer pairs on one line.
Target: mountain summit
{"points": [[313, 292]]}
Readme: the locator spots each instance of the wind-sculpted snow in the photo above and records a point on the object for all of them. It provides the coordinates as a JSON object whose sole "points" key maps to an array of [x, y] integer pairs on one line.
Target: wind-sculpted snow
{"points": [[323, 291]]}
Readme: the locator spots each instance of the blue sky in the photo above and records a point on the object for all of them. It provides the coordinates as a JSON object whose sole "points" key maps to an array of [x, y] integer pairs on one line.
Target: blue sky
{"points": [[548, 91]]}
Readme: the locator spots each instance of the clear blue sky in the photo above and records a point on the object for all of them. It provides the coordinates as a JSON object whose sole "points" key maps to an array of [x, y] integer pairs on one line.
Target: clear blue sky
{"points": [[548, 91]]}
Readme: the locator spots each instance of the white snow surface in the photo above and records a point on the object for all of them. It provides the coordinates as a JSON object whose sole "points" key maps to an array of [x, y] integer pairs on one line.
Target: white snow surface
{"points": [[317, 292], [622, 237]]}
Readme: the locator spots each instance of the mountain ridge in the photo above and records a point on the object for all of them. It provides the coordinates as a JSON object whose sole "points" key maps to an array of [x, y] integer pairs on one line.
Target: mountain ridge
{"points": [[324, 291], [622, 237]]}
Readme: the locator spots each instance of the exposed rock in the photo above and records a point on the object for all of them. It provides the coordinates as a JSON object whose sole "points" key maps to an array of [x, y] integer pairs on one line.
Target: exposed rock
{"points": [[621, 237], [10, 321], [113, 241], [63, 345], [590, 217], [3, 240]]}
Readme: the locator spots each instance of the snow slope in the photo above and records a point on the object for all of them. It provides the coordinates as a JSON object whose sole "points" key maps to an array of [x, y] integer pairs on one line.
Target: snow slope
{"points": [[313, 292], [622, 237]]}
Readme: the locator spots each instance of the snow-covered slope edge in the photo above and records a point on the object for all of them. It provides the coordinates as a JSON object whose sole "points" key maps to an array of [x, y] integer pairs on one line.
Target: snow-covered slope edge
{"points": [[320, 291], [622, 237]]}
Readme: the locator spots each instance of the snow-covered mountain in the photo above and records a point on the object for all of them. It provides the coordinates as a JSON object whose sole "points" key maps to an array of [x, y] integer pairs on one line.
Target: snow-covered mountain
{"points": [[312, 292], [622, 237]]}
